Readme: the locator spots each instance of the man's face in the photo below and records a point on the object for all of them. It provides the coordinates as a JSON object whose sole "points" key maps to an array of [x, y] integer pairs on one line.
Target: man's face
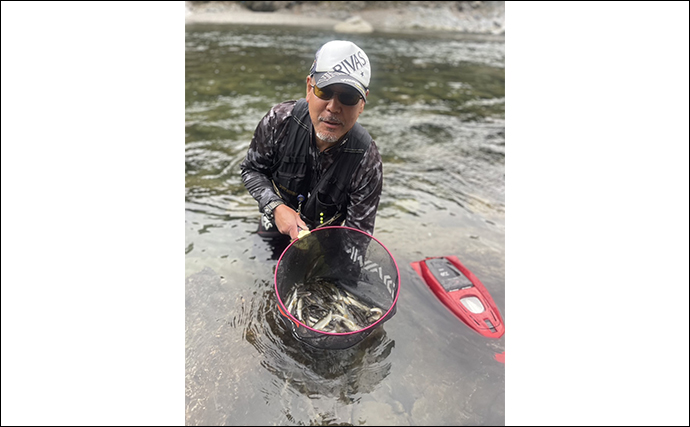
{"points": [[331, 118]]}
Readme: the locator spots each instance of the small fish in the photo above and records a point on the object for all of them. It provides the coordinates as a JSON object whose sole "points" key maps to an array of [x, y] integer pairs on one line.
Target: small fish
{"points": [[359, 316], [293, 300], [349, 324], [330, 287], [323, 322], [318, 299], [351, 300], [299, 308], [342, 309], [375, 314]]}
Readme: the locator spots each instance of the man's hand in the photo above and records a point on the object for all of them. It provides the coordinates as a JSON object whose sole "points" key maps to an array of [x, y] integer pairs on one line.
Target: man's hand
{"points": [[288, 221]]}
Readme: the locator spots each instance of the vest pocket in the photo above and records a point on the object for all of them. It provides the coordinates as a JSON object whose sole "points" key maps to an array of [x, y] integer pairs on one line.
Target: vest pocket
{"points": [[290, 174], [288, 177], [325, 209]]}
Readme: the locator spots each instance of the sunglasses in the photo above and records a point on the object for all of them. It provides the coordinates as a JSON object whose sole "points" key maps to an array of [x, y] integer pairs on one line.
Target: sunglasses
{"points": [[345, 98]]}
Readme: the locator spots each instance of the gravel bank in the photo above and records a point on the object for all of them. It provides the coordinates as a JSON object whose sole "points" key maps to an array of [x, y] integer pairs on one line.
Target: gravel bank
{"points": [[475, 17]]}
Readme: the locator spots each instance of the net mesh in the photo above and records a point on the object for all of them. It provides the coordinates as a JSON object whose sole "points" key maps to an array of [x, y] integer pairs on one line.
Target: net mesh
{"points": [[351, 259]]}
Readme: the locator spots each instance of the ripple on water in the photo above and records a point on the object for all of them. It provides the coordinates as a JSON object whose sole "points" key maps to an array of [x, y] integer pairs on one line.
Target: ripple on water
{"points": [[436, 111]]}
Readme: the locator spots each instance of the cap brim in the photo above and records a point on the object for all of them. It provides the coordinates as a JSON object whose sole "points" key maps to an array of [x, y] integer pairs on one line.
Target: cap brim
{"points": [[331, 78]]}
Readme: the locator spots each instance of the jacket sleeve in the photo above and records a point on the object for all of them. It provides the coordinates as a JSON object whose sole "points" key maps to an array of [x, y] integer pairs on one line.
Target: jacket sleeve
{"points": [[365, 191], [263, 152]]}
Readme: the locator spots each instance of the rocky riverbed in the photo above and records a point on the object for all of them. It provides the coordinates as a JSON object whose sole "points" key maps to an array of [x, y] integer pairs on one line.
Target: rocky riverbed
{"points": [[474, 17]]}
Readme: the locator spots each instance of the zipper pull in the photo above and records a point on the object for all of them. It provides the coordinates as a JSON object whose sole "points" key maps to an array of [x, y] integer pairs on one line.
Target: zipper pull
{"points": [[300, 199]]}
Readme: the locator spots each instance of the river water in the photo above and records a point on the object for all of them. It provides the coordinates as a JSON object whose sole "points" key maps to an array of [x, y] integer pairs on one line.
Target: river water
{"points": [[437, 112]]}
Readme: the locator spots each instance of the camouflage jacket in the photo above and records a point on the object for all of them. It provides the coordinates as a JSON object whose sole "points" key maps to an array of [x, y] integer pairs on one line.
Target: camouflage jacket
{"points": [[265, 148]]}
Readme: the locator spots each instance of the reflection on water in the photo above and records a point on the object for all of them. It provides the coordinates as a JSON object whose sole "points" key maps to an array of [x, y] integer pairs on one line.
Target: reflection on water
{"points": [[436, 111], [317, 373]]}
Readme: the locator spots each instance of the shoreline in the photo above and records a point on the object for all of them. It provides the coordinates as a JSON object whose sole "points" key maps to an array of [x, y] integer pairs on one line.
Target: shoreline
{"points": [[257, 18], [481, 18]]}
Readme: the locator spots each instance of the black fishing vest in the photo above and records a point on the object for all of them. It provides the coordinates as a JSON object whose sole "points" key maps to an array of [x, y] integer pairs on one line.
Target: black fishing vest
{"points": [[327, 201]]}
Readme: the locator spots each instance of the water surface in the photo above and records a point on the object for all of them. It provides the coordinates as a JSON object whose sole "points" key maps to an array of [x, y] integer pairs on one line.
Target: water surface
{"points": [[436, 110]]}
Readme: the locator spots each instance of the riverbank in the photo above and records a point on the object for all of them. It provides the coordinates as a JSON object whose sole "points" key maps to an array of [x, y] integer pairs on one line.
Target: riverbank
{"points": [[471, 17]]}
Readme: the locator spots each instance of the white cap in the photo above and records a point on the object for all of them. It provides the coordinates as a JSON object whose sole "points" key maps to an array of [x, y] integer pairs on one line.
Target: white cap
{"points": [[340, 61]]}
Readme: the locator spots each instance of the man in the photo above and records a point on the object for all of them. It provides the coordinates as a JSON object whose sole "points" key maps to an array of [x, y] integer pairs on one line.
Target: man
{"points": [[310, 163]]}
